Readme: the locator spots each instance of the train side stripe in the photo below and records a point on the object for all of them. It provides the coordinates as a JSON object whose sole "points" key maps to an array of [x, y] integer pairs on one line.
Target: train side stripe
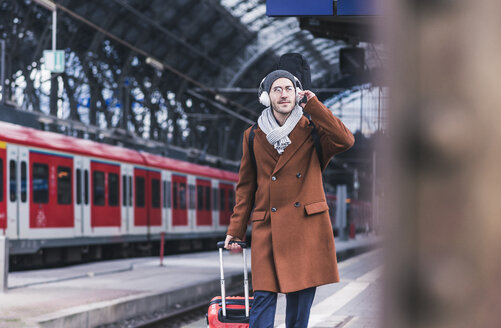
{"points": [[50, 154]]}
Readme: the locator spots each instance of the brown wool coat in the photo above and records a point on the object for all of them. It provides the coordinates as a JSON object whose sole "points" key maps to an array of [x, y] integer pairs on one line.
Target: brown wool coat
{"points": [[292, 239]]}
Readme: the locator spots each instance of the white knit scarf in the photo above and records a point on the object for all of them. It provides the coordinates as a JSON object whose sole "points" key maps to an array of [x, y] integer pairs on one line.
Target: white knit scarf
{"points": [[278, 135]]}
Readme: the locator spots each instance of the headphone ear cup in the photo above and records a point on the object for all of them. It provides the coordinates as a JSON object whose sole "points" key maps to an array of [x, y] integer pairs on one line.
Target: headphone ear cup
{"points": [[298, 97], [264, 99]]}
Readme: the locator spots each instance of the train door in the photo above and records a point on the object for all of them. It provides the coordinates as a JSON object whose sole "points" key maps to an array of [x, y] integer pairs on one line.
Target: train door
{"points": [[12, 191], [140, 223], [23, 188], [127, 200], [204, 204], [215, 204], [105, 199], [86, 200], [179, 203], [51, 210], [226, 203], [166, 200], [154, 201], [3, 189], [78, 199]]}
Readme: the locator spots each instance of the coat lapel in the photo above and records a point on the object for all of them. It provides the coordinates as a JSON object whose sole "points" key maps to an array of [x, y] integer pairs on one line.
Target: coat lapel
{"points": [[262, 141], [298, 136]]}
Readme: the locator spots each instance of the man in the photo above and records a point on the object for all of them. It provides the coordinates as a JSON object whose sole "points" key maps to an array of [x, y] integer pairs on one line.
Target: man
{"points": [[292, 240]]}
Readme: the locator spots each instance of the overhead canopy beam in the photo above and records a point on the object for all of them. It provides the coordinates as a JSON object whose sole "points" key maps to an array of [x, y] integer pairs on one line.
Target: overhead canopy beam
{"points": [[220, 107], [255, 90]]}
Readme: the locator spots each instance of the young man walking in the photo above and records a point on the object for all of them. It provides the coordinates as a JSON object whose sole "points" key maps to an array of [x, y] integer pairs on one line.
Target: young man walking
{"points": [[280, 190]]}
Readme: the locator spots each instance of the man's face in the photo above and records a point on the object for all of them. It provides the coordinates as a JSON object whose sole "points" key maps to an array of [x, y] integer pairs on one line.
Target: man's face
{"points": [[283, 95]]}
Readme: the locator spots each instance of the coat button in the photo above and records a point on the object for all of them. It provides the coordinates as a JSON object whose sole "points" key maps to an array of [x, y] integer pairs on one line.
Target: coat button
{"points": [[297, 204], [273, 209], [298, 175], [273, 178]]}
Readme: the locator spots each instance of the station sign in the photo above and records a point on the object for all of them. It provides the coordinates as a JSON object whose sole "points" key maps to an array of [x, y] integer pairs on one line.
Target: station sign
{"points": [[359, 7], [299, 8], [323, 7], [54, 60]]}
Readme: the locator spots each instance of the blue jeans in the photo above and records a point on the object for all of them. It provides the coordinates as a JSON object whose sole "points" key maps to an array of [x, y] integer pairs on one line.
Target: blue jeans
{"points": [[297, 313]]}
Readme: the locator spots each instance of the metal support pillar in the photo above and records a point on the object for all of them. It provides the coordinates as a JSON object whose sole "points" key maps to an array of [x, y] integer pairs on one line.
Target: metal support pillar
{"points": [[374, 224], [2, 69], [4, 263], [341, 219]]}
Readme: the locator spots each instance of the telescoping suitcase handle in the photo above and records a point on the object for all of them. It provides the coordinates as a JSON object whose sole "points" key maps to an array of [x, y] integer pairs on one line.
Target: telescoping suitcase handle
{"points": [[220, 245]]}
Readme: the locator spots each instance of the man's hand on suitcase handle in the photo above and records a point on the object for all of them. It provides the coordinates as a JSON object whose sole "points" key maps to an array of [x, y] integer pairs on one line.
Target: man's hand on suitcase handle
{"points": [[227, 244]]}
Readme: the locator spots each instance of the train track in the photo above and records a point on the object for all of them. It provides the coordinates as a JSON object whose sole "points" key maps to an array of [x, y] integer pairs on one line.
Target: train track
{"points": [[170, 318], [178, 319]]}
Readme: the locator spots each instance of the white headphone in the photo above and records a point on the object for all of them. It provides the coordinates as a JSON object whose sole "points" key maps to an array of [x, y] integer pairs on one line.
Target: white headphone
{"points": [[264, 97]]}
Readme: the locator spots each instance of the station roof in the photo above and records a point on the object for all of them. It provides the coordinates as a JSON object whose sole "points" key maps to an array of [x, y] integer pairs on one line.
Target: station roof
{"points": [[221, 44]]}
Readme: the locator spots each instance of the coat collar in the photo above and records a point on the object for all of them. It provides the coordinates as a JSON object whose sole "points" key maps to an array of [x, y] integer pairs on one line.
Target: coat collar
{"points": [[298, 136]]}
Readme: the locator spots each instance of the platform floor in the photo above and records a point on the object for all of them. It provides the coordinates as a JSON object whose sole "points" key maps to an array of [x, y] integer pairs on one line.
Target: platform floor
{"points": [[354, 302], [90, 295]]}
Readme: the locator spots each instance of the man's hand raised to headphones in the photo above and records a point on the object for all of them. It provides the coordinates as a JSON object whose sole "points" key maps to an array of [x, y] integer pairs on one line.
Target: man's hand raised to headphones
{"points": [[306, 93]]}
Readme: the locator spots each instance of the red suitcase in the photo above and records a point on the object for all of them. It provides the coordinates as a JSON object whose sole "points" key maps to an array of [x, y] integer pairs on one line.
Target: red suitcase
{"points": [[233, 312]]}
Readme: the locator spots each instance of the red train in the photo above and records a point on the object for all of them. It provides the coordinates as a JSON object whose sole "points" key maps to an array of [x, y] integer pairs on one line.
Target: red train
{"points": [[65, 199]]}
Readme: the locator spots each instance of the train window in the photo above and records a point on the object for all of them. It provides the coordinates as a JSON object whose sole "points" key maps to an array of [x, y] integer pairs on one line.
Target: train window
{"points": [[63, 185], [23, 182], [130, 191], [222, 198], [166, 190], [124, 190], [13, 180], [214, 199], [79, 186], [139, 191], [155, 193], [182, 195], [40, 183], [98, 183], [207, 198], [86, 183], [200, 197], [1, 180], [231, 199], [192, 196], [168, 194], [175, 194], [113, 189]]}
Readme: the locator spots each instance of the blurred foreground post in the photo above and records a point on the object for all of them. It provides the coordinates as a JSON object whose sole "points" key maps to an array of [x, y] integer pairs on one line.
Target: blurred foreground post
{"points": [[444, 211], [4, 263]]}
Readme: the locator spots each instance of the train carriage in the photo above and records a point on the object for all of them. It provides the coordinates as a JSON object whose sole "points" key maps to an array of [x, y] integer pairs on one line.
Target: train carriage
{"points": [[60, 191]]}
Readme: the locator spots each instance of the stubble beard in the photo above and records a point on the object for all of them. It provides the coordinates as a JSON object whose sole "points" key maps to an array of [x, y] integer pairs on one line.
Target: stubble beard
{"points": [[277, 109]]}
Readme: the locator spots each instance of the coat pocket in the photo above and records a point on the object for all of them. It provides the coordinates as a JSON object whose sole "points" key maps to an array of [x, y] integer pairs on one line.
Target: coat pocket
{"points": [[317, 207], [258, 215]]}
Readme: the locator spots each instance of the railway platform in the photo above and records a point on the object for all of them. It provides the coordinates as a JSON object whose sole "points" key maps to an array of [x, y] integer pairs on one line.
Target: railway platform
{"points": [[101, 293], [355, 302]]}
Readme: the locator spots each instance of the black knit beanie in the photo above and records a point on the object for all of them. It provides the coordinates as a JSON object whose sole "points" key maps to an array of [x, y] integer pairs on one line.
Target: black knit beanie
{"points": [[275, 75]]}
